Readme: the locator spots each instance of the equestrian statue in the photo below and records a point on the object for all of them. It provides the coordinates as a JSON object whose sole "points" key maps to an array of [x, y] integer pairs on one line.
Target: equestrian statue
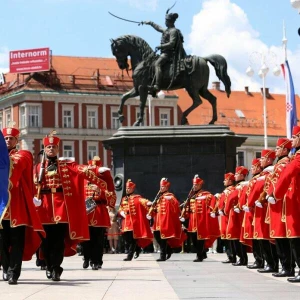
{"points": [[171, 70]]}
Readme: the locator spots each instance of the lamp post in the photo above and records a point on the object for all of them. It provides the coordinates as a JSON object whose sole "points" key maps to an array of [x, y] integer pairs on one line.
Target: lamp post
{"points": [[161, 96], [265, 60]]}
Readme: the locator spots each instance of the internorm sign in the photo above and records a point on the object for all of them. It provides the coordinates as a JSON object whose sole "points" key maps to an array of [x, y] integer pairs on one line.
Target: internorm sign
{"points": [[30, 60]]}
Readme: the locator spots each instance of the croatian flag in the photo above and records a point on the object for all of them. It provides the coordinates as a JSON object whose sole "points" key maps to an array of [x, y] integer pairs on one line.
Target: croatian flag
{"points": [[291, 113]]}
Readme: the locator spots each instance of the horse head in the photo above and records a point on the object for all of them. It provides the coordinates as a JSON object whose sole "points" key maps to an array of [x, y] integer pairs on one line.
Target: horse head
{"points": [[121, 54]]}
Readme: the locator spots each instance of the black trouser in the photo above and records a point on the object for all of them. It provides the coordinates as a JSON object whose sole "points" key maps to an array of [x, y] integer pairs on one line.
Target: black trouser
{"points": [[93, 249], [231, 250], [284, 253], [257, 252], [128, 236], [240, 250], [163, 244], [295, 247], [12, 242], [53, 246], [269, 253], [199, 245]]}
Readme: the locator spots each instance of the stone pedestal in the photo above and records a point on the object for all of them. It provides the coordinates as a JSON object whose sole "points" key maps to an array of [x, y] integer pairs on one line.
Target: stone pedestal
{"points": [[146, 154]]}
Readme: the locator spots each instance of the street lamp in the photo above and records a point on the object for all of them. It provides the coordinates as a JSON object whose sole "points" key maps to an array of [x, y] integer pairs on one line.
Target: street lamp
{"points": [[265, 61], [161, 96]]}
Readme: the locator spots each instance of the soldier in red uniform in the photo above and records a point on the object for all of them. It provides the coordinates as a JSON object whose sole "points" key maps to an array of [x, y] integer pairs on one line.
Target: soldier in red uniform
{"points": [[287, 190], [21, 228], [135, 225], [167, 226], [235, 217], [229, 182], [275, 212], [98, 218], [261, 229], [197, 210], [63, 210], [247, 228]]}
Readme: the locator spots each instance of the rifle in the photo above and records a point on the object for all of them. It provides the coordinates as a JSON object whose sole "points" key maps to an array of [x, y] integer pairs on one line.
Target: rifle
{"points": [[186, 203], [41, 175], [154, 203]]}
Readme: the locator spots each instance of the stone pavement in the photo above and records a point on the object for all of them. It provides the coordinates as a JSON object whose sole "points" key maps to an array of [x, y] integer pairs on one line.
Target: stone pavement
{"points": [[144, 278]]}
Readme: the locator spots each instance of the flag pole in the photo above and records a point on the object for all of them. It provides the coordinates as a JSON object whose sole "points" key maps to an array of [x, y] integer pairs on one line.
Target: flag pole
{"points": [[284, 42]]}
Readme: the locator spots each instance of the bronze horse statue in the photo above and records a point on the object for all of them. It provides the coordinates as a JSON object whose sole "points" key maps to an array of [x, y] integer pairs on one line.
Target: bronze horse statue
{"points": [[194, 79]]}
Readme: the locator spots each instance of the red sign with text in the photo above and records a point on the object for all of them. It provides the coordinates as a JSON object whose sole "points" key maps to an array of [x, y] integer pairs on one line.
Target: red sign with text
{"points": [[30, 60]]}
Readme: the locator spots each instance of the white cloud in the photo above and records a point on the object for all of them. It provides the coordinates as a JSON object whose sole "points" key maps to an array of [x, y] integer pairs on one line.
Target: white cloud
{"points": [[223, 27]]}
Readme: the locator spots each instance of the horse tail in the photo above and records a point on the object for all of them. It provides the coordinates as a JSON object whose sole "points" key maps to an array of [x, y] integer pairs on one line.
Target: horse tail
{"points": [[220, 65]]}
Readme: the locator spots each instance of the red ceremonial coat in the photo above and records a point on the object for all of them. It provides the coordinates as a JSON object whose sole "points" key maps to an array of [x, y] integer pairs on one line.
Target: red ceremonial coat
{"points": [[221, 206], [63, 200], [135, 209], [275, 214], [20, 210], [235, 220], [287, 189], [104, 195], [261, 228], [166, 219]]}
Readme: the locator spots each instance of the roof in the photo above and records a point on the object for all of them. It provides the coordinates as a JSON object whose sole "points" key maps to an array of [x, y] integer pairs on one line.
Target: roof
{"points": [[250, 104]]}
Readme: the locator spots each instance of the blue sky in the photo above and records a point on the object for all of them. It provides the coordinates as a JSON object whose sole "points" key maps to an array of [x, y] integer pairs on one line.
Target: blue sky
{"points": [[233, 28]]}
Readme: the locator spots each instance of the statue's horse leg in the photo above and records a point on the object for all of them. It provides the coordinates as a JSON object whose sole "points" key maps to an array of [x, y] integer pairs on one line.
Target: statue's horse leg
{"points": [[130, 94], [194, 94], [143, 92], [205, 93]]}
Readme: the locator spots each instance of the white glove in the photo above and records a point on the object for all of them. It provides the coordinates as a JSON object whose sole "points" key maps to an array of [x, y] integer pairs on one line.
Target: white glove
{"points": [[122, 214], [246, 208], [271, 200], [212, 214], [148, 217], [182, 219], [221, 213], [237, 210], [37, 202], [258, 204], [149, 203]]}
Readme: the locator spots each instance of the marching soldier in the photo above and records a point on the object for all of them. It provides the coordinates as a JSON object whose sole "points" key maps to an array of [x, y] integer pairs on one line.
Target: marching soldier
{"points": [[234, 226], [287, 190], [167, 227], [21, 228], [135, 225], [98, 218], [275, 216], [60, 183], [197, 210]]}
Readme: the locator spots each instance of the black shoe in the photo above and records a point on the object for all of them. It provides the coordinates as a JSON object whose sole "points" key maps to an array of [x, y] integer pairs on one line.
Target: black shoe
{"points": [[161, 259], [95, 267], [38, 263], [5, 276], [136, 254], [55, 276], [85, 264], [284, 273], [12, 280], [48, 274], [169, 254], [127, 258], [255, 265], [240, 263], [198, 259], [229, 261], [267, 269], [294, 279]]}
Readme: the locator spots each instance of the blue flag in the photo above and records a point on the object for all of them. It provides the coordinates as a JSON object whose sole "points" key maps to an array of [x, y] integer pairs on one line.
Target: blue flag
{"points": [[4, 176]]}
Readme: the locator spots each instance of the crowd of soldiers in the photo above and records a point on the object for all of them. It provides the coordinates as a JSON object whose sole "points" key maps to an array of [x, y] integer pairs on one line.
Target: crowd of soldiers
{"points": [[58, 203]]}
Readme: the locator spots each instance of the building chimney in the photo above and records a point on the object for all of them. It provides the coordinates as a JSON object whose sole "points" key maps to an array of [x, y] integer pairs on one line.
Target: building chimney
{"points": [[268, 96], [216, 85], [247, 90]]}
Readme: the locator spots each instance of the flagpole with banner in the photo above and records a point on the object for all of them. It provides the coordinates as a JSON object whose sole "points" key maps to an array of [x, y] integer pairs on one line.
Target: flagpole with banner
{"points": [[291, 112]]}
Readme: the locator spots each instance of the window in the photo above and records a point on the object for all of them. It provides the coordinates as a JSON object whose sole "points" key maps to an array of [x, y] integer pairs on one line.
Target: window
{"points": [[164, 117], [257, 154], [68, 116], [33, 116], [68, 149], [241, 158], [7, 117], [22, 116], [115, 123], [91, 118], [92, 150]]}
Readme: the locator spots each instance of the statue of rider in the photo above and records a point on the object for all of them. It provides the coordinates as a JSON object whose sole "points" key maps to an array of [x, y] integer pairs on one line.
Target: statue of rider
{"points": [[171, 48]]}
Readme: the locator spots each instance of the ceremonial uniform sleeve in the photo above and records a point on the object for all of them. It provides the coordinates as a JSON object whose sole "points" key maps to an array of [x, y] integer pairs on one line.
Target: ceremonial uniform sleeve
{"points": [[157, 27]]}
